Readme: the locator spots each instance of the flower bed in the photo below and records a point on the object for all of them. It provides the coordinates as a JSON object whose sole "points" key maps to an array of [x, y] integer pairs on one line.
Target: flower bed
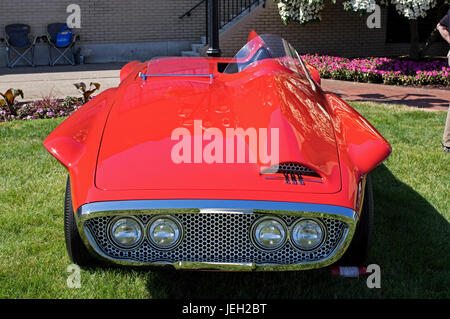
{"points": [[45, 108], [381, 70], [41, 109]]}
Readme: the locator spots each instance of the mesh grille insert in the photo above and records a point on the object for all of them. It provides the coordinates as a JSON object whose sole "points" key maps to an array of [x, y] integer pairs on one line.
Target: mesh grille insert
{"points": [[295, 168], [217, 237]]}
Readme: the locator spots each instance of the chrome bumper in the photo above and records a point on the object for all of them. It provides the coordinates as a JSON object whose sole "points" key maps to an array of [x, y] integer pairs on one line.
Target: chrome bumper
{"points": [[193, 206]]}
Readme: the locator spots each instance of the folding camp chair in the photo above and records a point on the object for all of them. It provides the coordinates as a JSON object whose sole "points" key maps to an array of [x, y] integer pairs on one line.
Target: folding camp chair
{"points": [[19, 42], [62, 51]]}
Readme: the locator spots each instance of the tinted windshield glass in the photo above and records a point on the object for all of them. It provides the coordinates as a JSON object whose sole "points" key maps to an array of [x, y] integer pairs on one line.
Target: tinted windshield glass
{"points": [[266, 46]]}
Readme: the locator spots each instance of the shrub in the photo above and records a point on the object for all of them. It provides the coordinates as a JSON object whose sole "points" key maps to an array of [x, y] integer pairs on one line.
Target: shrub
{"points": [[381, 70], [87, 91], [8, 102]]}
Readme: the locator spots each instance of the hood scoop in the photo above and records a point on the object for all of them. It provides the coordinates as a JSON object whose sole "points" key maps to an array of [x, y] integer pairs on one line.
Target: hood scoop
{"points": [[291, 173]]}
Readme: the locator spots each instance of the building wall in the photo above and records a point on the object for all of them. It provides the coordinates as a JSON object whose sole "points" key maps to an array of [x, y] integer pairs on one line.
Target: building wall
{"points": [[112, 21], [339, 33], [119, 31], [113, 30]]}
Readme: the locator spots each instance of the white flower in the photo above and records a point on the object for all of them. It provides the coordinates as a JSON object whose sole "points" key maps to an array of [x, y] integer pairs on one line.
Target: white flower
{"points": [[303, 11], [413, 9]]}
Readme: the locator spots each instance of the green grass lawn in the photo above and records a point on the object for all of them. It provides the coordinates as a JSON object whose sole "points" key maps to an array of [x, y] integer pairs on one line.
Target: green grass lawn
{"points": [[411, 239]]}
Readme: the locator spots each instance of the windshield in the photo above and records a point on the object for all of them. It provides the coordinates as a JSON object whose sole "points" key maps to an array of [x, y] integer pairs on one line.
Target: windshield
{"points": [[266, 46]]}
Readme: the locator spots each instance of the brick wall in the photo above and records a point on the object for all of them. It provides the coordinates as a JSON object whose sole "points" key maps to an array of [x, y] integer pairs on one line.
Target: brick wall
{"points": [[117, 21], [339, 33], [110, 21]]}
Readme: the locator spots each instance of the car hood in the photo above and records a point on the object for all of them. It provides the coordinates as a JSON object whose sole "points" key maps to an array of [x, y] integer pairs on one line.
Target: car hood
{"points": [[140, 148]]}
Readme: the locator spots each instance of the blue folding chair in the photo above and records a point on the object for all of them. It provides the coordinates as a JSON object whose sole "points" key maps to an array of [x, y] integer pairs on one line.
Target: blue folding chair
{"points": [[63, 51], [19, 42]]}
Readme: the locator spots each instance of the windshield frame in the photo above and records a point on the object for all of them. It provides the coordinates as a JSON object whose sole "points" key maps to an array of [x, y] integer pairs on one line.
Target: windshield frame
{"points": [[275, 45]]}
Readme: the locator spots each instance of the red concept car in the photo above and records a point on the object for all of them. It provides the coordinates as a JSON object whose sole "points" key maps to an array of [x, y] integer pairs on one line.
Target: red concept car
{"points": [[226, 164]]}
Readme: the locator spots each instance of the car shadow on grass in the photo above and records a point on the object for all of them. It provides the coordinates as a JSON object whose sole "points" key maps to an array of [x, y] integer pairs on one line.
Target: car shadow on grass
{"points": [[410, 243]]}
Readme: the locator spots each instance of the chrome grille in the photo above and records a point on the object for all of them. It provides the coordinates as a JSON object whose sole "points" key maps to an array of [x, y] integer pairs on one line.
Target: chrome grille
{"points": [[217, 237]]}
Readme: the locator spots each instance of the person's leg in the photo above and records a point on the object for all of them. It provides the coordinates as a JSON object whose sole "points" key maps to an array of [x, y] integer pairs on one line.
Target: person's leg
{"points": [[446, 137]]}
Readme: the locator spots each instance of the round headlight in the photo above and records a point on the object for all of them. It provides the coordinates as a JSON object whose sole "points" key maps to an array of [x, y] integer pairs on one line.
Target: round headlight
{"points": [[269, 233], [164, 232], [126, 232], [308, 234]]}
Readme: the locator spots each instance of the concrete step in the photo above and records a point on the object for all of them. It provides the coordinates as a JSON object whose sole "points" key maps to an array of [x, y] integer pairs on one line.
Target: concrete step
{"points": [[190, 53], [196, 47]]}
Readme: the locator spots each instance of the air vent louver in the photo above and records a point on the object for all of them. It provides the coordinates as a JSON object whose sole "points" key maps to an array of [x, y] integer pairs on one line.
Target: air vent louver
{"points": [[293, 172]]}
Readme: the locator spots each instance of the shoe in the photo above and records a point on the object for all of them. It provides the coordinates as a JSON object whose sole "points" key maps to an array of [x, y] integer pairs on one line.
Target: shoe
{"points": [[446, 148]]}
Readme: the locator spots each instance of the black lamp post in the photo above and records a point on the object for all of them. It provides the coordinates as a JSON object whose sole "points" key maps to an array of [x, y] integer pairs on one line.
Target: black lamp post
{"points": [[213, 28]]}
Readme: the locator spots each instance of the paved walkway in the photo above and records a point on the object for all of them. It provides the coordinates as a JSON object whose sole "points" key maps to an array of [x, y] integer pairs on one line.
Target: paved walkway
{"points": [[58, 81], [426, 98]]}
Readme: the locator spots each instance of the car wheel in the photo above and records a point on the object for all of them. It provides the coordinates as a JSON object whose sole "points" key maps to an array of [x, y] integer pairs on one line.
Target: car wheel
{"points": [[356, 254], [78, 252]]}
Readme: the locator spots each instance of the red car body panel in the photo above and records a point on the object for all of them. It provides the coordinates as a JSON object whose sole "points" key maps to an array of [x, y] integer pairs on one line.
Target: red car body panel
{"points": [[148, 112], [117, 146]]}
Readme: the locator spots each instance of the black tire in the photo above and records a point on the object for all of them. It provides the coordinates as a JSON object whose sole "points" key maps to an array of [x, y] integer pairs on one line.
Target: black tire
{"points": [[356, 254], [76, 249]]}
